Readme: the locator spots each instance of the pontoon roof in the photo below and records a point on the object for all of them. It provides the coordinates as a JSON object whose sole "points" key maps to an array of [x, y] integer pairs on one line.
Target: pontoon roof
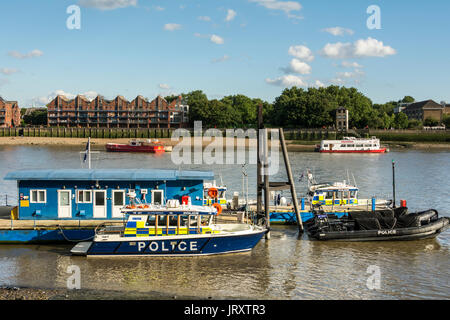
{"points": [[109, 175]]}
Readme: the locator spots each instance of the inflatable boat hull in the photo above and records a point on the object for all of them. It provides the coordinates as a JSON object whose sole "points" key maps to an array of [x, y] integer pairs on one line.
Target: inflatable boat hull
{"points": [[427, 229]]}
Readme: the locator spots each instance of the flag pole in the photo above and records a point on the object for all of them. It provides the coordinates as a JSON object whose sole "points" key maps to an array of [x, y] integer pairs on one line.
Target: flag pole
{"points": [[89, 152]]}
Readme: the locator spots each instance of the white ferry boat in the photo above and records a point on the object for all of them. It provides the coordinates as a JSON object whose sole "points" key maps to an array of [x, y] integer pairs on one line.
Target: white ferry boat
{"points": [[352, 145]]}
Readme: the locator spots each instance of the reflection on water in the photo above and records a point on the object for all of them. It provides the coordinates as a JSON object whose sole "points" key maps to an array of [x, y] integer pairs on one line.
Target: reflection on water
{"points": [[281, 268]]}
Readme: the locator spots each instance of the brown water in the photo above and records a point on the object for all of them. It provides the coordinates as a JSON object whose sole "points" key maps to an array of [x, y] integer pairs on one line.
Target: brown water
{"points": [[280, 268]]}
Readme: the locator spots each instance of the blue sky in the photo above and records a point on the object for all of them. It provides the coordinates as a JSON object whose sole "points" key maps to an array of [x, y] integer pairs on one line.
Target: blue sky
{"points": [[253, 47]]}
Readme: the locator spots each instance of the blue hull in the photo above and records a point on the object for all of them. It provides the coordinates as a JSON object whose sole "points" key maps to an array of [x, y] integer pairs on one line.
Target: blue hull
{"points": [[45, 235], [290, 217], [177, 247]]}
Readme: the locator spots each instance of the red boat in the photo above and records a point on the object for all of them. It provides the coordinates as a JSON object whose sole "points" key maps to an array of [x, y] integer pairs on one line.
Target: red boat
{"points": [[136, 146]]}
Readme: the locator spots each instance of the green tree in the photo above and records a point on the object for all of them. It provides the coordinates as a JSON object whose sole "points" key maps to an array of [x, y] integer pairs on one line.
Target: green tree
{"points": [[430, 122], [198, 103], [408, 99], [401, 121], [446, 120], [36, 118]]}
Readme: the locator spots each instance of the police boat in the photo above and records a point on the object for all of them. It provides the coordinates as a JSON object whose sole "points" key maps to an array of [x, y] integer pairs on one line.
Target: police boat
{"points": [[172, 229], [381, 225]]}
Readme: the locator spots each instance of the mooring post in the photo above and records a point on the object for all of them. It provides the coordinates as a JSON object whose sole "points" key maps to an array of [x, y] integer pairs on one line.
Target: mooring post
{"points": [[290, 180], [393, 182], [260, 183]]}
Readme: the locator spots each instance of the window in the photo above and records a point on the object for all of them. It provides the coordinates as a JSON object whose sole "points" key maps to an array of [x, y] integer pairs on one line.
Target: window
{"points": [[184, 220], [84, 196], [157, 197], [173, 221], [329, 195], [38, 196], [204, 220], [150, 221], [162, 220]]}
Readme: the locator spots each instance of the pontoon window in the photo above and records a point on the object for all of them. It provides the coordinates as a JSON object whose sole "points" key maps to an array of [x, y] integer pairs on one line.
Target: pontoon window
{"points": [[329, 195], [38, 196], [352, 194], [84, 196]]}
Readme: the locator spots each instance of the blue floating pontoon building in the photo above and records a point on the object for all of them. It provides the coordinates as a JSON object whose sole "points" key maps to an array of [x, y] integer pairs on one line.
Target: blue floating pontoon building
{"points": [[89, 194]]}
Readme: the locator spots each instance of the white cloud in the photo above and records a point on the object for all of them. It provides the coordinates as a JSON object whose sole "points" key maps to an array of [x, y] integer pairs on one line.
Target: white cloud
{"points": [[172, 26], [348, 64], [43, 100], [287, 81], [8, 71], [159, 8], [319, 84], [231, 14], [301, 52], [297, 66], [339, 31], [286, 6], [350, 75], [221, 59], [164, 86], [216, 39], [204, 18], [31, 54], [361, 48], [107, 4], [372, 48]]}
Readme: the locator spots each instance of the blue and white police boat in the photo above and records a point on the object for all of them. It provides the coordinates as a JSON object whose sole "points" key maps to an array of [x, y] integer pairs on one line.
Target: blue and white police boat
{"points": [[172, 229]]}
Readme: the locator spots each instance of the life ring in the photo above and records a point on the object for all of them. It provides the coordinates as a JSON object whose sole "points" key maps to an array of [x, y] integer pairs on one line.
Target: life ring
{"points": [[218, 207], [213, 193], [131, 207]]}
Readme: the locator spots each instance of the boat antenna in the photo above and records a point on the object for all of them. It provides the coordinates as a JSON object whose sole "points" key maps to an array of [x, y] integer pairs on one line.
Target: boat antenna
{"points": [[354, 180]]}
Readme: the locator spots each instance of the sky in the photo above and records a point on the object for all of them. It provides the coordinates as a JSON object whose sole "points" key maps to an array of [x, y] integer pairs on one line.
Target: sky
{"points": [[223, 47]]}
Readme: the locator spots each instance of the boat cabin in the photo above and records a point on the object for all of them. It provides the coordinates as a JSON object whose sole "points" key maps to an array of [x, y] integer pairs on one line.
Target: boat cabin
{"points": [[333, 194], [171, 220], [208, 197], [100, 193]]}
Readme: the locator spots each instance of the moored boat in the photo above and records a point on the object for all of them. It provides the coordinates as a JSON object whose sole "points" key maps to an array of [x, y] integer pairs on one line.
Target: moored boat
{"points": [[352, 145], [137, 146], [388, 225], [171, 230]]}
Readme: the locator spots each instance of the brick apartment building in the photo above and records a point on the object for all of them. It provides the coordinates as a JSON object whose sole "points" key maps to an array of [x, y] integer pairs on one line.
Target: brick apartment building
{"points": [[117, 113], [9, 114], [426, 109]]}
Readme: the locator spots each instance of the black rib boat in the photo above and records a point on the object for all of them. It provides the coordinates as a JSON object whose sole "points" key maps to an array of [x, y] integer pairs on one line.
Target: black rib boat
{"points": [[385, 225]]}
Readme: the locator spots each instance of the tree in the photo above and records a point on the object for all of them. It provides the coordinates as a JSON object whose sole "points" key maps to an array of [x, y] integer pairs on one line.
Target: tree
{"points": [[408, 99], [446, 121], [198, 102], [430, 122], [36, 118], [401, 121]]}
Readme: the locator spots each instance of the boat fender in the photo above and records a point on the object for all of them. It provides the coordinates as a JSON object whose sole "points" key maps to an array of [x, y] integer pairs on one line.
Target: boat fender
{"points": [[218, 207], [213, 193]]}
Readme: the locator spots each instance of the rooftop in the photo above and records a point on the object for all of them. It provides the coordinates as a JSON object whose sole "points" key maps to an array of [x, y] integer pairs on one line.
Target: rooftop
{"points": [[109, 175]]}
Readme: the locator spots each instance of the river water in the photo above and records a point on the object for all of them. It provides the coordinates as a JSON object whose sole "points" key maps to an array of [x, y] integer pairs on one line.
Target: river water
{"points": [[280, 268]]}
